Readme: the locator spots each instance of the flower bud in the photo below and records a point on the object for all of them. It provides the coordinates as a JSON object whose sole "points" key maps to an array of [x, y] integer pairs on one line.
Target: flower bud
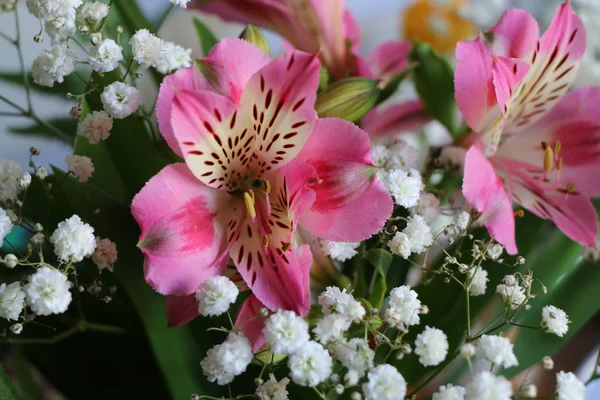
{"points": [[41, 173], [16, 329], [38, 38], [349, 99], [339, 389], [254, 35], [95, 38], [11, 261], [24, 180], [529, 391], [548, 362], [84, 30], [323, 78], [351, 378], [75, 112], [467, 350], [356, 396]]}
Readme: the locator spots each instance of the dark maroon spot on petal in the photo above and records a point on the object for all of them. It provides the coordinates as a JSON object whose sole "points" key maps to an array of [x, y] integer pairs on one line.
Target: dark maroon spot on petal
{"points": [[290, 135], [560, 88], [284, 258], [260, 260], [249, 231], [276, 113], [189, 143], [196, 152], [253, 281], [573, 36], [255, 112], [229, 143], [288, 146], [561, 62], [243, 134], [209, 173], [564, 73], [282, 225], [218, 115], [212, 181], [215, 156], [515, 69], [280, 152], [218, 140], [298, 124], [279, 158], [232, 122], [262, 83], [241, 254], [249, 260], [298, 104], [268, 98], [291, 61], [208, 127], [209, 163]]}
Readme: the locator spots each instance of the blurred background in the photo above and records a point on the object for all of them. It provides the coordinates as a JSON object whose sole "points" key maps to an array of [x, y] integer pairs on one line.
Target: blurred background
{"points": [[380, 20]]}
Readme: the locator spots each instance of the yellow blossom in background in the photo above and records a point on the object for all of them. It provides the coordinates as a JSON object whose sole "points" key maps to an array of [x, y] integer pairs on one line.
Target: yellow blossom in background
{"points": [[438, 23]]}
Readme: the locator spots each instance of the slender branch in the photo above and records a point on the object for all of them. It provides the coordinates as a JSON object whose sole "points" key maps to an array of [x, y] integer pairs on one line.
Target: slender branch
{"points": [[82, 326], [10, 114], [22, 61], [7, 38], [435, 374]]}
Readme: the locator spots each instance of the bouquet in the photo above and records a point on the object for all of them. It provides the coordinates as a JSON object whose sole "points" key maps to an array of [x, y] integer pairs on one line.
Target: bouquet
{"points": [[313, 223]]}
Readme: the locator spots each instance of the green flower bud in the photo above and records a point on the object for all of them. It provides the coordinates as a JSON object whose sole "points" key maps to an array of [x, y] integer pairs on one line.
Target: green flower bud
{"points": [[349, 99], [254, 35]]}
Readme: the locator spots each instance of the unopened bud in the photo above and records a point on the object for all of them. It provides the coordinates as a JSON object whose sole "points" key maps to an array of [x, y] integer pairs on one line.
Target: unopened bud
{"points": [[34, 151], [349, 99], [119, 29], [356, 396], [24, 180], [75, 112], [510, 280], [258, 381], [254, 35], [339, 389], [38, 38], [529, 391], [424, 309], [11, 261], [351, 378], [547, 362], [406, 349], [84, 30], [264, 312], [95, 38], [467, 350], [16, 329]]}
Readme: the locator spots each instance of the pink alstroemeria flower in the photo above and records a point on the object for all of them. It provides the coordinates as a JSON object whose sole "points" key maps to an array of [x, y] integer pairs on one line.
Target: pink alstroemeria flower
{"points": [[313, 26], [536, 143], [257, 163]]}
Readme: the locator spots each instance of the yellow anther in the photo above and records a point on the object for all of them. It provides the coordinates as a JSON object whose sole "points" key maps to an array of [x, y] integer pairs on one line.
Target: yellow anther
{"points": [[570, 188], [548, 159], [249, 200], [557, 146], [265, 241], [559, 164], [286, 246], [266, 186]]}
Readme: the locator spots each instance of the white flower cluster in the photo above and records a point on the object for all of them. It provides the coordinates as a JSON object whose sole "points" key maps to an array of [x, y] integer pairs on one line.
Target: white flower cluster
{"points": [[569, 387], [6, 225], [496, 349], [340, 251], [486, 385], [105, 255], [225, 361], [478, 278], [405, 186], [9, 187], [334, 300], [180, 3], [403, 309], [151, 51], [73, 240], [80, 166], [286, 332], [431, 346], [53, 65], [513, 295], [449, 392], [384, 383], [354, 354], [105, 57], [273, 390], [415, 238], [93, 11], [555, 320], [96, 126], [12, 301], [48, 292], [216, 295], [58, 15], [120, 100]]}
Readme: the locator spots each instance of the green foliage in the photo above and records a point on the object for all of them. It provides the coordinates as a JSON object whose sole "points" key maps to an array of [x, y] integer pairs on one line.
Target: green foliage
{"points": [[434, 81], [381, 260], [394, 84], [7, 392], [205, 35], [67, 125]]}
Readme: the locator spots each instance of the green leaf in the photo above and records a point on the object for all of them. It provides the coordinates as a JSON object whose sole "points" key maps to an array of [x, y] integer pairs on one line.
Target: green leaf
{"points": [[381, 260], [434, 81], [207, 38], [133, 18], [30, 389], [394, 83], [67, 125], [7, 392], [71, 84]]}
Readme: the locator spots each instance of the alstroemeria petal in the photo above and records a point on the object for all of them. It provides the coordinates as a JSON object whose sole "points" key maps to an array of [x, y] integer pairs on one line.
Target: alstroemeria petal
{"points": [[182, 236], [507, 73], [280, 100], [484, 191], [214, 136], [409, 116], [515, 35], [181, 309], [389, 59], [340, 153], [251, 322], [263, 255]]}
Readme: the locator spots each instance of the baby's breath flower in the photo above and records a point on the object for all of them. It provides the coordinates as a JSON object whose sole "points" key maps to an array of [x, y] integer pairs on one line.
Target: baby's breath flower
{"points": [[105, 255], [48, 292], [513, 295], [216, 295], [286, 332], [81, 166], [351, 378], [53, 65], [9, 188], [6, 225], [73, 240], [331, 327], [486, 385], [449, 392], [334, 300], [146, 47], [120, 100], [400, 245], [341, 251], [10, 260], [24, 180], [479, 281], [431, 346], [172, 57], [467, 350], [462, 220], [12, 301], [428, 206], [355, 354], [273, 390], [555, 320], [569, 387], [547, 362], [225, 361], [404, 186], [385, 383], [106, 56], [96, 126], [419, 234], [497, 350], [403, 307], [311, 365], [495, 251], [93, 11]]}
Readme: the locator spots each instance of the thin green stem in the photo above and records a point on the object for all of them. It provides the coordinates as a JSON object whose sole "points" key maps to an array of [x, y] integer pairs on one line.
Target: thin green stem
{"points": [[435, 374], [22, 61], [468, 296], [321, 395], [7, 38]]}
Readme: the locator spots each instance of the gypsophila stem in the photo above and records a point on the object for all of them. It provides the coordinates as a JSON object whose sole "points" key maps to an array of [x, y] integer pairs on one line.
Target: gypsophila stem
{"points": [[435, 374]]}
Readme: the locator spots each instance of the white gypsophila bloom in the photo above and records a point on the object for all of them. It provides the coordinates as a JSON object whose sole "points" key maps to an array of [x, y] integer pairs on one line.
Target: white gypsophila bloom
{"points": [[106, 56], [384, 383], [467, 350], [403, 307], [172, 57], [428, 206], [495, 251], [355, 355], [379, 155], [6, 225], [431, 346], [462, 220], [335, 300], [403, 156], [53, 65], [404, 186], [34, 7], [12, 301], [340, 251], [331, 327], [93, 11], [41, 173], [48, 292], [58, 8], [419, 234], [9, 187], [351, 378], [513, 295], [479, 279], [105, 256], [73, 240], [225, 361], [38, 238], [400, 245], [286, 332], [449, 392], [24, 180], [569, 387], [180, 3], [216, 295], [61, 27], [146, 47], [96, 126], [273, 390], [497, 350], [555, 320], [120, 100], [81, 166], [488, 386], [529, 391], [310, 365], [10, 261]]}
